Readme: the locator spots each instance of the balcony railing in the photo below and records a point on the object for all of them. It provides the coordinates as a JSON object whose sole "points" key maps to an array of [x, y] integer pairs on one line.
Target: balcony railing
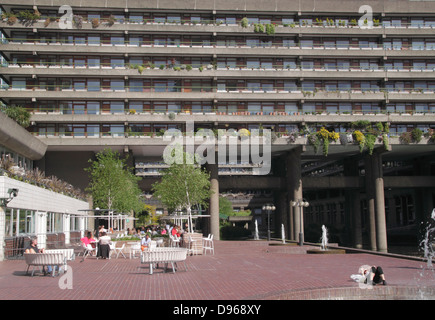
{"points": [[218, 67], [218, 44], [260, 88], [322, 22]]}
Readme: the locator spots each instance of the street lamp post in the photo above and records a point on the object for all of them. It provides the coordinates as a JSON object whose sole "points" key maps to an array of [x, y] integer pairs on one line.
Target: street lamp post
{"points": [[300, 203], [269, 208]]}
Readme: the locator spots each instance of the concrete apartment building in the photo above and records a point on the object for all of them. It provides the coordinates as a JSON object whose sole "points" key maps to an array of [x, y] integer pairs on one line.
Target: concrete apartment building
{"points": [[123, 72]]}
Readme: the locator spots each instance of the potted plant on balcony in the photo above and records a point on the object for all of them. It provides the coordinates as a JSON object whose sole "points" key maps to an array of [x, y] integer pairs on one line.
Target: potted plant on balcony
{"points": [[95, 22]]}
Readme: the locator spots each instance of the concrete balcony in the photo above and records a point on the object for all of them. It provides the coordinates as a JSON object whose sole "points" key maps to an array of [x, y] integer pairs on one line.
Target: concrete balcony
{"points": [[211, 50], [237, 73], [222, 29], [261, 6], [277, 117]]}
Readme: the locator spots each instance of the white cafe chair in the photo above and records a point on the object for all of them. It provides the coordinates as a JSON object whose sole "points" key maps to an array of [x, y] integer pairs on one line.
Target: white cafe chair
{"points": [[207, 244]]}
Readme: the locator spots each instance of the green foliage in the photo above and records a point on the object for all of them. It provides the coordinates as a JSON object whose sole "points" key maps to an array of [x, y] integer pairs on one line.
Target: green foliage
{"points": [[416, 134], [184, 184], [17, 113], [225, 206], [244, 23], [370, 142], [113, 186]]}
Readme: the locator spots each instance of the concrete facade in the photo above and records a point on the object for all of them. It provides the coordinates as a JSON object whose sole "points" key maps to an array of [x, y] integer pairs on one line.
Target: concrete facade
{"points": [[242, 81]]}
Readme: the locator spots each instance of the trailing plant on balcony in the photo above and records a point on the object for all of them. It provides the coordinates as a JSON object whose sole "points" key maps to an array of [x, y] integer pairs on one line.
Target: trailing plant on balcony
{"points": [[326, 137], [244, 23], [360, 139], [37, 178], [28, 18], [49, 20], [17, 113], [78, 21], [9, 17], [111, 21], [370, 142], [95, 22], [314, 140], [405, 138]]}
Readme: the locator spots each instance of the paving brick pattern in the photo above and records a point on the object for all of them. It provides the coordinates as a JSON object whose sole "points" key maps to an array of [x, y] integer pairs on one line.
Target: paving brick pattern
{"points": [[238, 270]]}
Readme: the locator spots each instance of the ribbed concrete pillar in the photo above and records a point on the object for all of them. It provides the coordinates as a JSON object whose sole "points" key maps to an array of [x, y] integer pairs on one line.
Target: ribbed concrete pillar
{"points": [[214, 200], [294, 188], [376, 202], [353, 206], [381, 224], [370, 201]]}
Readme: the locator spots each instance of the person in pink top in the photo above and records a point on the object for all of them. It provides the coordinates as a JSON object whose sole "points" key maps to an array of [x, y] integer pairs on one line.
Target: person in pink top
{"points": [[88, 239]]}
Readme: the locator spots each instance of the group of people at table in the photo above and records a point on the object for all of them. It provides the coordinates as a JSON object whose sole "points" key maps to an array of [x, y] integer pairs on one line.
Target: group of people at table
{"points": [[104, 240]]}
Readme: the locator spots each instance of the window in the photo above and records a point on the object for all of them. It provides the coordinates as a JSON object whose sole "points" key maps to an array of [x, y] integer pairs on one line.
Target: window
{"points": [[93, 62], [117, 130], [345, 107], [417, 23], [94, 85], [136, 18], [136, 85], [94, 40], [291, 108], [116, 40], [116, 107], [253, 64], [135, 40], [290, 86], [19, 84], [308, 86], [93, 107], [117, 62], [136, 105], [116, 84], [309, 107], [307, 65], [307, 43], [417, 44]]}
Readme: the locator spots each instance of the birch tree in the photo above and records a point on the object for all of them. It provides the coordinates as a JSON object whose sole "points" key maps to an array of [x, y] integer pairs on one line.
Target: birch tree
{"points": [[183, 185], [113, 186]]}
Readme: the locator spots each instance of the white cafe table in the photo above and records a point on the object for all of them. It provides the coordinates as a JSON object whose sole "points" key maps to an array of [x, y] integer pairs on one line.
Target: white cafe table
{"points": [[134, 247]]}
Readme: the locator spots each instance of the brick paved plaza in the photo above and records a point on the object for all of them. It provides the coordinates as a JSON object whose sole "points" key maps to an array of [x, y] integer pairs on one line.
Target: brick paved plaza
{"points": [[239, 270]]}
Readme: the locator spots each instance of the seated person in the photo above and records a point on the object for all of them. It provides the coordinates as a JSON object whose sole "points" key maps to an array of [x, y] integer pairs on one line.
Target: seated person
{"points": [[88, 239], [146, 242], [33, 248], [104, 246]]}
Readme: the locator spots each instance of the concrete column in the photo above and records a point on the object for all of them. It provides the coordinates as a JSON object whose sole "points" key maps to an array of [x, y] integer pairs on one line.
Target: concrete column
{"points": [[352, 206], [214, 200], [375, 190], [2, 232], [294, 188], [67, 228], [381, 224], [41, 228], [370, 201]]}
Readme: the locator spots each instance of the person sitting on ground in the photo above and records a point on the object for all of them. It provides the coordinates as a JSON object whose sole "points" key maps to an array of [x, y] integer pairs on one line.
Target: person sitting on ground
{"points": [[104, 246], [370, 275], [33, 248]]}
